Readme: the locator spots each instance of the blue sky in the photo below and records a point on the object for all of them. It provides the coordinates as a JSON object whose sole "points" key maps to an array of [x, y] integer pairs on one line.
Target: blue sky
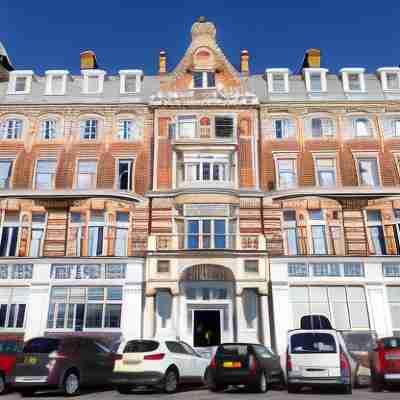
{"points": [[45, 34]]}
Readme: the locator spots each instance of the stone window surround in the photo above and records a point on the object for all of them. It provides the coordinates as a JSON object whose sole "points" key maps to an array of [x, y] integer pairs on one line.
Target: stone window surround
{"points": [[50, 74], [367, 155], [285, 156], [28, 74], [327, 155]]}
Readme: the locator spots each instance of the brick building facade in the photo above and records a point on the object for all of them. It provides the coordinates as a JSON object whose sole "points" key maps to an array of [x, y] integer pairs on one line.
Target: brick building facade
{"points": [[202, 199]]}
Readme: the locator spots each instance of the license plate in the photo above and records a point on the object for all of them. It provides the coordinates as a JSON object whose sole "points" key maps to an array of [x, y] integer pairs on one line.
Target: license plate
{"points": [[232, 364], [30, 360], [316, 373]]}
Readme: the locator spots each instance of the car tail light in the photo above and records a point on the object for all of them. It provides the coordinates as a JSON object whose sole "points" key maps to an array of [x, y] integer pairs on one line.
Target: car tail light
{"points": [[57, 354], [288, 362], [380, 365], [253, 364], [344, 365], [213, 363], [154, 357]]}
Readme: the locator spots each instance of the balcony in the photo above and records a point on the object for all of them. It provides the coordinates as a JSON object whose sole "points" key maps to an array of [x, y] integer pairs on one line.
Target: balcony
{"points": [[227, 242]]}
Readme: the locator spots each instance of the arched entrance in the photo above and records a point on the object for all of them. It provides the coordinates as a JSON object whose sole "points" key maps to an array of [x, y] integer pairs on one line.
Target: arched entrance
{"points": [[207, 293]]}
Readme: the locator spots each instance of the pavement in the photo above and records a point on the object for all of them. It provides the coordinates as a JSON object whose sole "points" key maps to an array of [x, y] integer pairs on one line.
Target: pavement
{"points": [[204, 394]]}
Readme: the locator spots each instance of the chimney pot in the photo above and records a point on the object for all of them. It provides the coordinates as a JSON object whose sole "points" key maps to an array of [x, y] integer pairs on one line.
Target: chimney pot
{"points": [[244, 62], [88, 60], [162, 62], [312, 58]]}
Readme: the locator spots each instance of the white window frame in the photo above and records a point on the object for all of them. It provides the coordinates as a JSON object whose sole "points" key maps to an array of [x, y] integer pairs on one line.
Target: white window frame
{"points": [[11, 171], [131, 173], [122, 226], [290, 225], [50, 74], [123, 73], [285, 156], [270, 79], [86, 73], [383, 75], [319, 223], [27, 74], [134, 133], [53, 183], [95, 224], [373, 224], [79, 226], [307, 76], [4, 127], [94, 160], [42, 227], [288, 127], [366, 156], [326, 156], [193, 119], [81, 128], [57, 124], [205, 79], [6, 224], [345, 72]]}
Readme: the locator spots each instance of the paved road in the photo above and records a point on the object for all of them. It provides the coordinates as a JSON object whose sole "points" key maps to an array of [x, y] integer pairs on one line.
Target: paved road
{"points": [[202, 394]]}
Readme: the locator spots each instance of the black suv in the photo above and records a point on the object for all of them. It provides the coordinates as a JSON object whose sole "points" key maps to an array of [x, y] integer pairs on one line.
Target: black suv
{"points": [[252, 365]]}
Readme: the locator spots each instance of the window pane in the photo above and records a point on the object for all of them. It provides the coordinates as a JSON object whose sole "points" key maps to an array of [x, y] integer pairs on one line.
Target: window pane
{"points": [[114, 293], [354, 82], [5, 174], [94, 315], [224, 127], [315, 82], [316, 127], [112, 316], [20, 84], [278, 82], [96, 294], [130, 83], [198, 79], [392, 80]]}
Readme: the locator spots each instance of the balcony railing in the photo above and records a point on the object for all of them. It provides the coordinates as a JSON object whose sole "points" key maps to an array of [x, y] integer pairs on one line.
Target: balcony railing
{"points": [[194, 242]]}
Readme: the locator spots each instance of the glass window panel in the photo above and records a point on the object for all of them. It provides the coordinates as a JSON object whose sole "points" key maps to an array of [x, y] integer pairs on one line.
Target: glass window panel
{"points": [[278, 82], [94, 315], [112, 317], [315, 82], [114, 293], [316, 127], [130, 83], [60, 319], [96, 294], [5, 174], [354, 82]]}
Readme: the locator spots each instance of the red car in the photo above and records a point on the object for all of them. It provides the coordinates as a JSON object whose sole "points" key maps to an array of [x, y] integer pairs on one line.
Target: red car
{"points": [[385, 363], [9, 348]]}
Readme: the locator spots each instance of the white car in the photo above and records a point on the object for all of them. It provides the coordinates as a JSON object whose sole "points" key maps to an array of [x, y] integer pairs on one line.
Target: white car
{"points": [[317, 358], [162, 364]]}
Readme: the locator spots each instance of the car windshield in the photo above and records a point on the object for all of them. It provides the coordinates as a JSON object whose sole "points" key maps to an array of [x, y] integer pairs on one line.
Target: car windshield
{"points": [[9, 346], [301, 343], [141, 346], [233, 350], [391, 343], [41, 345]]}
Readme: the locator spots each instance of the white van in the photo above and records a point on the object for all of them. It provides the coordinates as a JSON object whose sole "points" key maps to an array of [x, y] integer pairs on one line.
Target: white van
{"points": [[316, 358]]}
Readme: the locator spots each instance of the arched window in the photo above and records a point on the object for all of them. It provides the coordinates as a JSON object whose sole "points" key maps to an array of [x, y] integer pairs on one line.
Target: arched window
{"points": [[362, 127], [49, 129]]}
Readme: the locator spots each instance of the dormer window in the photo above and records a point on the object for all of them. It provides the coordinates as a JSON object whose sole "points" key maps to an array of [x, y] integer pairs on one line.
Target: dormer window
{"points": [[56, 82], [20, 82], [278, 80], [315, 79], [93, 80], [353, 79], [203, 79], [130, 80], [390, 78]]}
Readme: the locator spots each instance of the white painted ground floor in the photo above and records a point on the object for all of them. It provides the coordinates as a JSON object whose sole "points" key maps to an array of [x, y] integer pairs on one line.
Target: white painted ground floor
{"points": [[203, 301]]}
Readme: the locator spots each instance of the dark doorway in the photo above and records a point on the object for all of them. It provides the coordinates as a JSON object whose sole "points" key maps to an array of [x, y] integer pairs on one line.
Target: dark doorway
{"points": [[206, 328]]}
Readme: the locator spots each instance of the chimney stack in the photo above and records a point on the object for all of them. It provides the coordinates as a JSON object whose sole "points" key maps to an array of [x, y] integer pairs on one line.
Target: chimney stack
{"points": [[162, 62], [244, 62], [312, 59], [88, 60]]}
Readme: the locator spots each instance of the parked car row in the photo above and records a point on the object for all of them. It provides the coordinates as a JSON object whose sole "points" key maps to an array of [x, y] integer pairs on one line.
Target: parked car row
{"points": [[315, 357]]}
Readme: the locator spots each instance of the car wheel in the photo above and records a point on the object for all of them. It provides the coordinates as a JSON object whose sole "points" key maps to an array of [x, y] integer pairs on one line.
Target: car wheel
{"points": [[2, 384], [262, 384], [71, 384], [171, 381], [348, 389], [124, 389], [291, 388]]}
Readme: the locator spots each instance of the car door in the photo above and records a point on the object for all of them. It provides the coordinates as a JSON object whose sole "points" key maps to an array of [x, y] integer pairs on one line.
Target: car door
{"points": [[268, 361], [198, 364], [181, 358]]}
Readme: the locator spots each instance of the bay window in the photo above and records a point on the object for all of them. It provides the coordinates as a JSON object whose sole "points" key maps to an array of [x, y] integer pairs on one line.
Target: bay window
{"points": [[376, 233], [82, 308], [287, 173]]}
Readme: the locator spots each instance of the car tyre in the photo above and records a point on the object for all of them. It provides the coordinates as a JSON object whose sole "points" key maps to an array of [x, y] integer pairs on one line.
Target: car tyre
{"points": [[171, 381], [348, 389], [291, 388], [262, 384], [124, 389], [3, 386], [71, 383]]}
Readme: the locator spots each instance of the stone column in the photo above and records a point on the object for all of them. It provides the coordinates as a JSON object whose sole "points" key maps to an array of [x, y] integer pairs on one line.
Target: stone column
{"points": [[263, 315], [149, 314], [240, 317], [175, 312], [282, 316]]}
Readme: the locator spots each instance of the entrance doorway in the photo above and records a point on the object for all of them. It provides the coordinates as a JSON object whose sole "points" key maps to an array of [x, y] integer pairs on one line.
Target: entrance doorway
{"points": [[206, 328]]}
